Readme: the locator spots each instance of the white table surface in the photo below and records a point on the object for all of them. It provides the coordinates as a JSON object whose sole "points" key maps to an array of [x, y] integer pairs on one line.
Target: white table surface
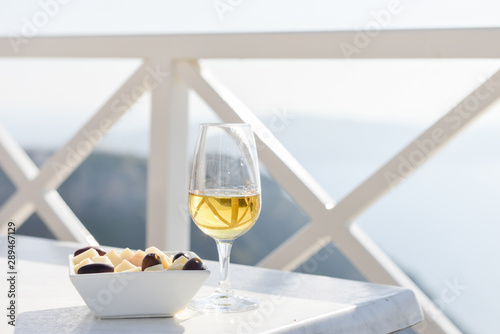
{"points": [[290, 302]]}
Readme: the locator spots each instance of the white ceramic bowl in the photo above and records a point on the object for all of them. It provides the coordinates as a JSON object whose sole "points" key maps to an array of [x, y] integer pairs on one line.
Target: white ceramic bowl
{"points": [[138, 294]]}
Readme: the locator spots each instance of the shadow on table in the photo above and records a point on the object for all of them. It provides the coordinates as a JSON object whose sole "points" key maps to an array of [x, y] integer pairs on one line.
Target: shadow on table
{"points": [[81, 320]]}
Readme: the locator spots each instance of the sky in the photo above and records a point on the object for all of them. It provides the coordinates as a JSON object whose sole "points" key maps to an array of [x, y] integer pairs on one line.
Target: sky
{"points": [[35, 92], [157, 16]]}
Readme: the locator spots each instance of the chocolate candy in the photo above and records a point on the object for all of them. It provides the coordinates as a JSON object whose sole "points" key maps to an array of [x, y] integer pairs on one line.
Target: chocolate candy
{"points": [[95, 268], [151, 259], [81, 250], [194, 264]]}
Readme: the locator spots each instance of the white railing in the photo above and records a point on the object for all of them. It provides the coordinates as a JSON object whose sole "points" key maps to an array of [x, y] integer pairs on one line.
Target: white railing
{"points": [[169, 69]]}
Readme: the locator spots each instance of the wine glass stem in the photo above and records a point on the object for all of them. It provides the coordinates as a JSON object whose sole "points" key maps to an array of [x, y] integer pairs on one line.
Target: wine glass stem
{"points": [[224, 249]]}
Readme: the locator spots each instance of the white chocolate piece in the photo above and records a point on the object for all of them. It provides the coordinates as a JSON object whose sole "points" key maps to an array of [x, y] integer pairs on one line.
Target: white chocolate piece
{"points": [[88, 254], [136, 260], [124, 265], [153, 249], [114, 257], [126, 254], [166, 261], [176, 266], [81, 264], [132, 270], [102, 259], [156, 267], [180, 259]]}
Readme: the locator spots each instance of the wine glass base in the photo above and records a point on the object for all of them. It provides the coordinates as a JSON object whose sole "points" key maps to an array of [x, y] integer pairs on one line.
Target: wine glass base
{"points": [[219, 303]]}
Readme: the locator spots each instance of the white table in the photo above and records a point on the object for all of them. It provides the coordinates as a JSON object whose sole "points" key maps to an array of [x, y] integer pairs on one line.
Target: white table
{"points": [[291, 302]]}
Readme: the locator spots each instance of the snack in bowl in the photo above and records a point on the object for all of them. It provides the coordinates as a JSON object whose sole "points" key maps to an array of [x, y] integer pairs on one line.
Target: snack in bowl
{"points": [[151, 260], [127, 284]]}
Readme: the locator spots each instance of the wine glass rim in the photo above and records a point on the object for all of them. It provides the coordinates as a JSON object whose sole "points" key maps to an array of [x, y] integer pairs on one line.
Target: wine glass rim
{"points": [[224, 124]]}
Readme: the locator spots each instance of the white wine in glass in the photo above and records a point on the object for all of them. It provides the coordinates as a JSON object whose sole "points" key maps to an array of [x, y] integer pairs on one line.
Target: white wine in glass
{"points": [[225, 201]]}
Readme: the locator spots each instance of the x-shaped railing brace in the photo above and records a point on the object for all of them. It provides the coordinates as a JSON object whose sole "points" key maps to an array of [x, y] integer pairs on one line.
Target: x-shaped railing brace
{"points": [[40, 186]]}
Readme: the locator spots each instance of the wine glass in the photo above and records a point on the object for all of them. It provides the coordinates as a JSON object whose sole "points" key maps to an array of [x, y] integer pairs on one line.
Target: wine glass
{"points": [[225, 201]]}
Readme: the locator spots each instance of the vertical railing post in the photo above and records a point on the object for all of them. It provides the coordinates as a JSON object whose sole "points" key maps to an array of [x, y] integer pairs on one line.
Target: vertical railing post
{"points": [[167, 219]]}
